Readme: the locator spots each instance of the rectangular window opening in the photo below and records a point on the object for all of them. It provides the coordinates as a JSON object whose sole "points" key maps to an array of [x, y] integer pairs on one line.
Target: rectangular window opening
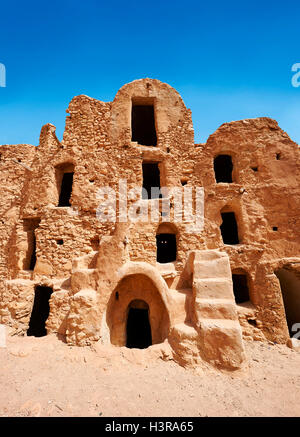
{"points": [[240, 288], [151, 180], [143, 124], [66, 189]]}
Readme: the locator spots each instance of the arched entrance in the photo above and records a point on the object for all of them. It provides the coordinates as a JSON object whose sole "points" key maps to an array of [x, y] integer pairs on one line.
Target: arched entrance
{"points": [[166, 243], [138, 329], [136, 314], [289, 280]]}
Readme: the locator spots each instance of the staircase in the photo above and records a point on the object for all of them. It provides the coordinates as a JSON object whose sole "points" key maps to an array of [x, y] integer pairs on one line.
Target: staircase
{"points": [[83, 272], [81, 326], [213, 332]]}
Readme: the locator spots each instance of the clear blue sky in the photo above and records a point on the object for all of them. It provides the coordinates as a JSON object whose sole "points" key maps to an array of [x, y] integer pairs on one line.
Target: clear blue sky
{"points": [[229, 60]]}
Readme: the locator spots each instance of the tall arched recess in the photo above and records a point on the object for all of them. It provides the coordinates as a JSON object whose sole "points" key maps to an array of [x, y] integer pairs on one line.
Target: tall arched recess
{"points": [[137, 294], [289, 280]]}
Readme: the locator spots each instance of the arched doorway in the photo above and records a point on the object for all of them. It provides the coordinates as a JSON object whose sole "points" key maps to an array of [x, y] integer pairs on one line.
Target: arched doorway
{"points": [[289, 280], [137, 305], [166, 243], [138, 329]]}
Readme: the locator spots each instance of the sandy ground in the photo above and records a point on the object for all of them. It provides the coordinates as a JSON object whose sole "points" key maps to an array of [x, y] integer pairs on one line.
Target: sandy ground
{"points": [[45, 377]]}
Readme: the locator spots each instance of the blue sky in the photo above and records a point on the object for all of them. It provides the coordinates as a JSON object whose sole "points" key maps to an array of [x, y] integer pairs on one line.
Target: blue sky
{"points": [[228, 60]]}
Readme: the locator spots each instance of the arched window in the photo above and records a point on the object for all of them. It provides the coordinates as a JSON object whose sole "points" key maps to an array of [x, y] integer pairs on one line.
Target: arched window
{"points": [[64, 181], [223, 168], [229, 227], [166, 245]]}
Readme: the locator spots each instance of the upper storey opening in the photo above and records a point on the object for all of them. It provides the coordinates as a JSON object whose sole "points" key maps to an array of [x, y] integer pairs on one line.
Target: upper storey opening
{"points": [[223, 168], [64, 181], [143, 129]]}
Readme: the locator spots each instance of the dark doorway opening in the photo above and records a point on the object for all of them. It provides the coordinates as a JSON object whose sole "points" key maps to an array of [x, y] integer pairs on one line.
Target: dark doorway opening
{"points": [[240, 288], [290, 288], [138, 329], [143, 125], [66, 189], [151, 179], [166, 250], [229, 228], [40, 312], [223, 168]]}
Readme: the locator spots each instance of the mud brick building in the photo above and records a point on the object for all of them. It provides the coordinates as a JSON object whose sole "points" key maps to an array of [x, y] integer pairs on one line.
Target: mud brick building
{"points": [[134, 284]]}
